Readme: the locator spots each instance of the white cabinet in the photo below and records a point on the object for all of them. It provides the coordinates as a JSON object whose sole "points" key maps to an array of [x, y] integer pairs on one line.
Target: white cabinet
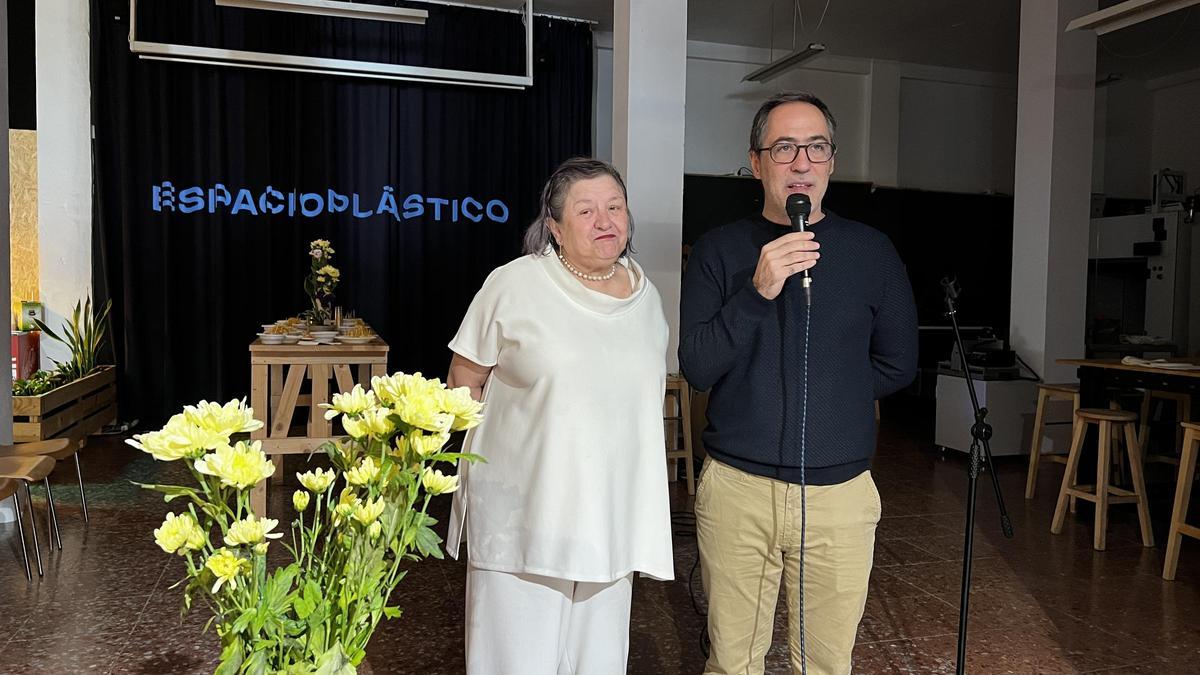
{"points": [[1011, 405]]}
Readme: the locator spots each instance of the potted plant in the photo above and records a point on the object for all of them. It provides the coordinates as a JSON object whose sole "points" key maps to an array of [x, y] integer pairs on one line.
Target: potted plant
{"points": [[79, 396], [354, 524], [322, 279]]}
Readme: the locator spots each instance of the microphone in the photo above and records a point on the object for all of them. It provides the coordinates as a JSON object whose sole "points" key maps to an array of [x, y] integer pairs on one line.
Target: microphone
{"points": [[798, 209]]}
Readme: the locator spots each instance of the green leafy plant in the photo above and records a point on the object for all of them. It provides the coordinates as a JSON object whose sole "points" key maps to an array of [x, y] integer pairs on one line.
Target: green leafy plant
{"points": [[84, 336], [355, 524], [39, 383]]}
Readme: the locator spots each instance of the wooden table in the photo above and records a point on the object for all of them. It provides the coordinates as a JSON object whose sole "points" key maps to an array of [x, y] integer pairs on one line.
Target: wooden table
{"points": [[277, 373], [1098, 375]]}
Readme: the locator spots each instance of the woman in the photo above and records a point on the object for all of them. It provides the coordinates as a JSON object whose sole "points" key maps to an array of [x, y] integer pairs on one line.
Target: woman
{"points": [[567, 345]]}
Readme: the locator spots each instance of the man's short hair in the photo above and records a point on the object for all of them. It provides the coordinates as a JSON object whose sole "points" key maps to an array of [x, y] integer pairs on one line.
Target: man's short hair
{"points": [[760, 118]]}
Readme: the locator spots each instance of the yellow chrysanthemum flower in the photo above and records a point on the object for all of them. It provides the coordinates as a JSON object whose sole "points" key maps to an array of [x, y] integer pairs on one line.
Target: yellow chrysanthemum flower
{"points": [[424, 412], [241, 465], [300, 500], [437, 483], [466, 410], [364, 473], [318, 480], [371, 422], [375, 530], [353, 402], [178, 439], [250, 530], [421, 443], [367, 513], [180, 533], [226, 566], [232, 418]]}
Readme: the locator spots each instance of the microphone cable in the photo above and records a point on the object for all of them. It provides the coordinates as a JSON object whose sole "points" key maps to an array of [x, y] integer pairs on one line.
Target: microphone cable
{"points": [[799, 207]]}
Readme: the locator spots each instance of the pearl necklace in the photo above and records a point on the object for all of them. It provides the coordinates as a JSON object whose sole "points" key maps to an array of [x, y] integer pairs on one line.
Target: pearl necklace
{"points": [[589, 277]]}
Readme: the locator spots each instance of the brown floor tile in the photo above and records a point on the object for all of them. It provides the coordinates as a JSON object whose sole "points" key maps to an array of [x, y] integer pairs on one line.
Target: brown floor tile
{"points": [[1041, 603]]}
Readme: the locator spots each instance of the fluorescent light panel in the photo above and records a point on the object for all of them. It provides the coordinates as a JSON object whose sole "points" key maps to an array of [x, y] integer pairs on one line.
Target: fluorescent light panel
{"points": [[335, 8], [1126, 14], [777, 68], [339, 67]]}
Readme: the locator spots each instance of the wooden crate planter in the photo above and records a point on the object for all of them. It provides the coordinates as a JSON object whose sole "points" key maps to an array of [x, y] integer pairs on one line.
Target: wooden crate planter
{"points": [[77, 409]]}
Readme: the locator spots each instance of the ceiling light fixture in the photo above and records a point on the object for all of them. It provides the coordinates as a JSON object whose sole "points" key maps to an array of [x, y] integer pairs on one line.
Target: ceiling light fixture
{"points": [[778, 67], [334, 8], [1125, 14]]}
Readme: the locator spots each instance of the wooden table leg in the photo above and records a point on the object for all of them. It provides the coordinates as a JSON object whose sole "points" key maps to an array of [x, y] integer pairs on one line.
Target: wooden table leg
{"points": [[345, 380], [276, 385], [318, 426], [258, 401], [364, 375]]}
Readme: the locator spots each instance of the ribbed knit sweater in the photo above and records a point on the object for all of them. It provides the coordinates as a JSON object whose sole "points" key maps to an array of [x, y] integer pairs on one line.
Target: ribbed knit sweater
{"points": [[861, 342]]}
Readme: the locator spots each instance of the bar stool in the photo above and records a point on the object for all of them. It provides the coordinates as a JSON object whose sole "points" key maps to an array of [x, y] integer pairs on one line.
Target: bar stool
{"points": [[1183, 413], [1047, 392], [677, 413], [1103, 494], [1183, 494]]}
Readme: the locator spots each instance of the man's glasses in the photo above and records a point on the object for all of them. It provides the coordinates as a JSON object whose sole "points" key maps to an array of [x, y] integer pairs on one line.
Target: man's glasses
{"points": [[786, 152]]}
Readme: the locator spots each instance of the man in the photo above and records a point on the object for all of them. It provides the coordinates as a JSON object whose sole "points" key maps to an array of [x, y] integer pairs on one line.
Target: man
{"points": [[790, 438]]}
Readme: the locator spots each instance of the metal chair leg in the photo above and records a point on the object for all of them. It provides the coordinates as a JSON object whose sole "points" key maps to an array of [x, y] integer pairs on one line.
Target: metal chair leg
{"points": [[54, 533], [82, 496], [21, 534], [37, 549]]}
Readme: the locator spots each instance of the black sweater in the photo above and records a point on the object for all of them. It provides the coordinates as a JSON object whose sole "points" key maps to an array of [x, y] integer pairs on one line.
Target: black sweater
{"points": [[750, 351]]}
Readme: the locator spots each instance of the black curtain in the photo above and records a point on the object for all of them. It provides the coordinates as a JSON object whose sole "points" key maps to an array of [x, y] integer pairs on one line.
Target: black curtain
{"points": [[189, 290]]}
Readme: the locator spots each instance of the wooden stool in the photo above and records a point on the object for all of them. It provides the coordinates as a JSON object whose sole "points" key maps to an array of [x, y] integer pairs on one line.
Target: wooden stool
{"points": [[1183, 414], [1183, 494], [1047, 392], [677, 413], [29, 470], [58, 449], [1102, 493]]}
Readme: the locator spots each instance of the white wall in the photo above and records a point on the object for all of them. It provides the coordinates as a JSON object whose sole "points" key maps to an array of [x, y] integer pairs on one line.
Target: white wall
{"points": [[64, 159], [898, 124], [1175, 135], [957, 135], [1128, 125]]}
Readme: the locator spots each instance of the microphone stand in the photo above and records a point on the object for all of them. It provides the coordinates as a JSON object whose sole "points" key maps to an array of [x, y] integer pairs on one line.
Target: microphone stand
{"points": [[981, 452]]}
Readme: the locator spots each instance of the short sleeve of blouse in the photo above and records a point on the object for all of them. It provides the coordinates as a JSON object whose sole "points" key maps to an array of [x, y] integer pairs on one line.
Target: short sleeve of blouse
{"points": [[480, 332]]}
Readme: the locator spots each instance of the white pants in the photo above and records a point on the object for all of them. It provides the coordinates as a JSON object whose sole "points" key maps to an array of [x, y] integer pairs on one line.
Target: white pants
{"points": [[524, 624]]}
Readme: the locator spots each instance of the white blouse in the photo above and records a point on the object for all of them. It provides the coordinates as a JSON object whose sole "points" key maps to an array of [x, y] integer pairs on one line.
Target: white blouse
{"points": [[575, 483]]}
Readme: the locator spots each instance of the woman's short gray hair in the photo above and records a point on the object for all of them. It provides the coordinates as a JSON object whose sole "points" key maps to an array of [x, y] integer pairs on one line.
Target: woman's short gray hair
{"points": [[554, 196]]}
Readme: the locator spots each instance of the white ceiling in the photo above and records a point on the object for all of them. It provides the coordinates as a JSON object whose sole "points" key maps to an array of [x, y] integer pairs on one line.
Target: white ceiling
{"points": [[972, 34]]}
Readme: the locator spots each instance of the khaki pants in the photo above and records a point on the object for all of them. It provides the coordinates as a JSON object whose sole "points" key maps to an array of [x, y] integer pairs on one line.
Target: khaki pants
{"points": [[749, 537]]}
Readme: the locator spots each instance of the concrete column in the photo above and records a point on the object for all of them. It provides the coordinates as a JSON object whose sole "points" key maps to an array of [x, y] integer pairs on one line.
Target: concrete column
{"points": [[64, 149], [649, 72], [1055, 114]]}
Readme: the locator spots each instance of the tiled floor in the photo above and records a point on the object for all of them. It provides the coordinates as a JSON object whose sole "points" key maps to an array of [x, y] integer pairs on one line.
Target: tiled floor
{"points": [[1040, 603]]}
